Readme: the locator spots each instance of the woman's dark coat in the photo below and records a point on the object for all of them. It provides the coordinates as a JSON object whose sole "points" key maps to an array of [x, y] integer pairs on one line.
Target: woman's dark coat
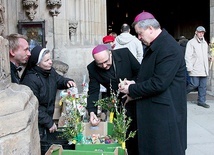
{"points": [[44, 85], [162, 107]]}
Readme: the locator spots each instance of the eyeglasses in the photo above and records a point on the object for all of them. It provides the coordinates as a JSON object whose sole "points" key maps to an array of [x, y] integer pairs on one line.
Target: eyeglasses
{"points": [[105, 62]]}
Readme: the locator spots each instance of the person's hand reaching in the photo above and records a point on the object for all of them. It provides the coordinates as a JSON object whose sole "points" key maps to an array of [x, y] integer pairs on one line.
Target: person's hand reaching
{"points": [[93, 119], [128, 98], [71, 84], [53, 128]]}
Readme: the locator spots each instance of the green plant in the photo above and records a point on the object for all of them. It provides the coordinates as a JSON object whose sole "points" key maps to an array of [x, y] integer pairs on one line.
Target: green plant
{"points": [[121, 121], [74, 111], [121, 124], [109, 103]]}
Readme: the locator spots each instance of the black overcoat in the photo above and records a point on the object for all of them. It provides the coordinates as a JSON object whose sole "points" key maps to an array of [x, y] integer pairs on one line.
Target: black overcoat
{"points": [[125, 66], [162, 107]]}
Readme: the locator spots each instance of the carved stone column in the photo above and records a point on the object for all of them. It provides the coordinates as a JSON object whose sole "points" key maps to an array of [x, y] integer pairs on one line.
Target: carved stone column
{"points": [[30, 8], [91, 22], [54, 6], [2, 20], [210, 84], [4, 64]]}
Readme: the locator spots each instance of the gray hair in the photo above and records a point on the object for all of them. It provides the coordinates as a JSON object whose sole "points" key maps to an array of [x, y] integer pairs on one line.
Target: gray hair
{"points": [[148, 22], [43, 52]]}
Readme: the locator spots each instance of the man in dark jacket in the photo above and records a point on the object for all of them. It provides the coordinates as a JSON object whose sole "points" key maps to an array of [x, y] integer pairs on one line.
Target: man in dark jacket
{"points": [[19, 55], [106, 69], [159, 91]]}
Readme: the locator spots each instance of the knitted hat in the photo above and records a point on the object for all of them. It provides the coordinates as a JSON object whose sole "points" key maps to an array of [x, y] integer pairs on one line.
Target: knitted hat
{"points": [[36, 55], [99, 48], [108, 39]]}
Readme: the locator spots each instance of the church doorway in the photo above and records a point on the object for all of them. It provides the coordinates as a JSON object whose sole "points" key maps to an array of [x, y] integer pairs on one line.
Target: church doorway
{"points": [[177, 17]]}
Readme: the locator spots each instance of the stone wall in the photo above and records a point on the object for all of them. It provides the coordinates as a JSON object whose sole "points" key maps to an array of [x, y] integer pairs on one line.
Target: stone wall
{"points": [[19, 133], [18, 121], [211, 18], [4, 63], [72, 28], [211, 77]]}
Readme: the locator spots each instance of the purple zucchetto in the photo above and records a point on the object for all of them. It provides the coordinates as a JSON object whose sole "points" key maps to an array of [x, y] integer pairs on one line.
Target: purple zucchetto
{"points": [[99, 48], [142, 16]]}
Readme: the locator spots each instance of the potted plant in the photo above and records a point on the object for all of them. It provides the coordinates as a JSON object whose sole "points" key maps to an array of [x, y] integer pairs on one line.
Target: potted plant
{"points": [[109, 104], [121, 121], [74, 112], [121, 124]]}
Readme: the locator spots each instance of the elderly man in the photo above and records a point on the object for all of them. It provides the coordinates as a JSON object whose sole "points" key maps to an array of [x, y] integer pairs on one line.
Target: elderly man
{"points": [[107, 69], [159, 91], [196, 57]]}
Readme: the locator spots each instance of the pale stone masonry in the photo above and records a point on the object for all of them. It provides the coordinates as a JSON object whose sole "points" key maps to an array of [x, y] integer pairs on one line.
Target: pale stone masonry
{"points": [[71, 33], [72, 28], [18, 121], [211, 76], [19, 133]]}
